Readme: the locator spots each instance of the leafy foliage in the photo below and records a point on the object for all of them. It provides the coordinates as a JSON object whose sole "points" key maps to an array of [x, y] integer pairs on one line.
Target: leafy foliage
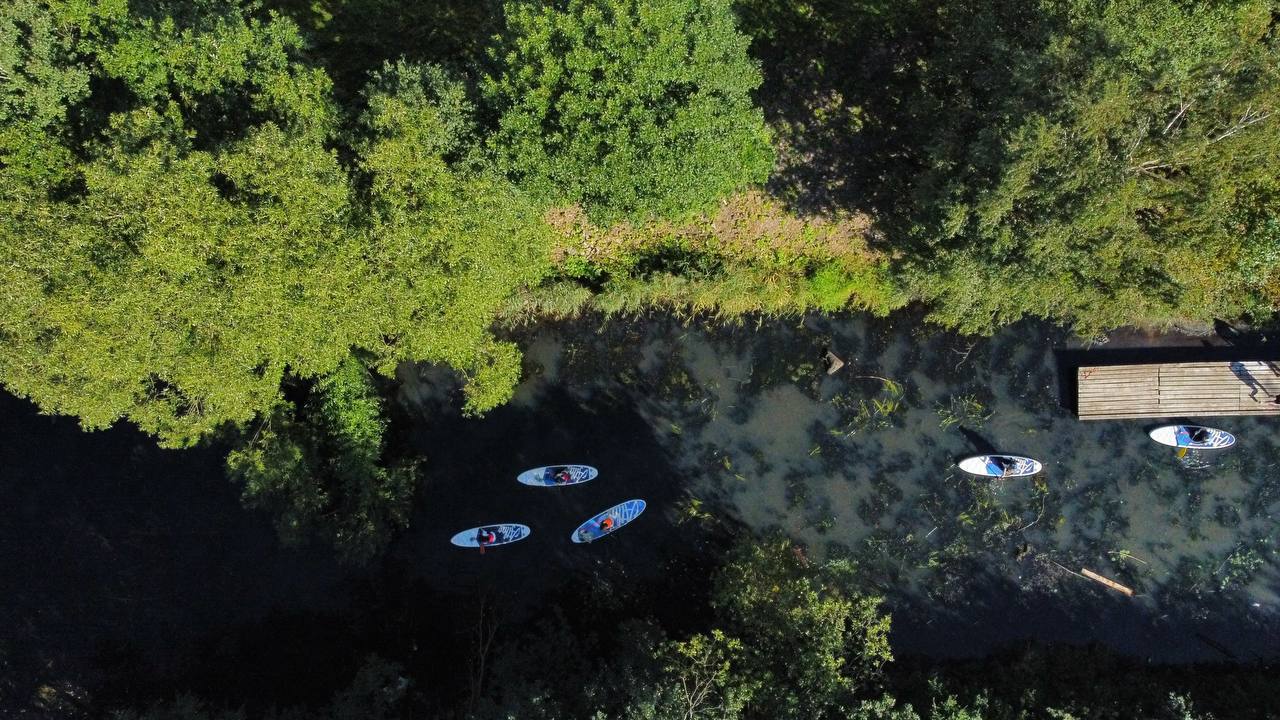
{"points": [[698, 680], [808, 645], [171, 282], [453, 243], [1095, 163], [633, 109], [320, 470], [210, 239], [1123, 190], [42, 74]]}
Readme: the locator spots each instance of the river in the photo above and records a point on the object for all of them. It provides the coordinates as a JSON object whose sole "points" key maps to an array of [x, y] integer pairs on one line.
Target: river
{"points": [[117, 554]]}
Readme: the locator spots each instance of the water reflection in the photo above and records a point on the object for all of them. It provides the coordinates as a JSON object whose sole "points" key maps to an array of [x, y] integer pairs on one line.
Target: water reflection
{"points": [[860, 465], [109, 534]]}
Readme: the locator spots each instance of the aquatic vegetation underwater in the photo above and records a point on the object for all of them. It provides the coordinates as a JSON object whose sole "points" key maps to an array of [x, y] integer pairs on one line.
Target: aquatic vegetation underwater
{"points": [[860, 464], [964, 410]]}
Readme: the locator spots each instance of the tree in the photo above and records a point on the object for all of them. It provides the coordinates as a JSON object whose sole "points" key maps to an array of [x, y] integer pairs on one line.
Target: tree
{"points": [[320, 471], [452, 242], [190, 256], [44, 75], [699, 678], [808, 646], [209, 239], [1121, 176], [633, 109], [1096, 163]]}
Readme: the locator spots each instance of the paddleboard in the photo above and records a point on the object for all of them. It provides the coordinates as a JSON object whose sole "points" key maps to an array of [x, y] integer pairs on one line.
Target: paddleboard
{"points": [[504, 534], [550, 475], [621, 514], [1008, 466], [1194, 437]]}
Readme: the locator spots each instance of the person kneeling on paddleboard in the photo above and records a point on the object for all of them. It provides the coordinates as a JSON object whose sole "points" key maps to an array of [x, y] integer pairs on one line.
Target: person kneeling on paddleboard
{"points": [[606, 524], [485, 537], [563, 476]]}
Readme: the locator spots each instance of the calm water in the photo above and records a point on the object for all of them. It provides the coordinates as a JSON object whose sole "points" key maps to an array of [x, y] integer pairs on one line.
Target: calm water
{"points": [[115, 549], [744, 424]]}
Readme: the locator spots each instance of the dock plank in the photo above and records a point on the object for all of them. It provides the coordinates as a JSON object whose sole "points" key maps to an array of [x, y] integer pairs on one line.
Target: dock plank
{"points": [[1115, 392]]}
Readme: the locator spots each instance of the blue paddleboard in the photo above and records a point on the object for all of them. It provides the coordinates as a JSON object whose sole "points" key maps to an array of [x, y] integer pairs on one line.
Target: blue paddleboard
{"points": [[1194, 437], [503, 534], [558, 475], [619, 514]]}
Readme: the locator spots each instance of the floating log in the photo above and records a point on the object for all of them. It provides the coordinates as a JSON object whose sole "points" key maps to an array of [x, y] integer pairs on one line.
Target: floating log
{"points": [[833, 363], [1105, 581]]}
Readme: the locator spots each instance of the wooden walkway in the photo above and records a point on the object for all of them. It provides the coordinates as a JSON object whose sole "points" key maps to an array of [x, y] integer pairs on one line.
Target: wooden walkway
{"points": [[1199, 389]]}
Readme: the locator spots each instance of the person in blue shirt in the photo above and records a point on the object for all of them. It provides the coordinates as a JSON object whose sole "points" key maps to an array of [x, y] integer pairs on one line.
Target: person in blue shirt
{"points": [[1181, 436]]}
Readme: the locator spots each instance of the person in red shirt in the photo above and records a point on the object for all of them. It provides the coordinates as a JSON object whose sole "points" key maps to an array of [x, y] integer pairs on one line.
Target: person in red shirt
{"points": [[485, 536]]}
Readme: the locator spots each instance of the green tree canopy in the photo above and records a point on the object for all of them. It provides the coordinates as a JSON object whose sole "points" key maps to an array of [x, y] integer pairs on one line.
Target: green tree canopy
{"points": [[1126, 181], [320, 470], [205, 239], [452, 242], [808, 646], [628, 107], [43, 74]]}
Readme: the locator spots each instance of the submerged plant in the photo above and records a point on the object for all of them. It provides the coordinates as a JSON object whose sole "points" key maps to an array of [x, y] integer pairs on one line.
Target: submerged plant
{"points": [[1240, 566], [691, 509], [963, 410], [876, 413], [1119, 555]]}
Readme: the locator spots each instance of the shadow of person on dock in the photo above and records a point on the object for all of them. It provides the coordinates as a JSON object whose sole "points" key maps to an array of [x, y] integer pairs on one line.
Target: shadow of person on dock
{"points": [[1070, 360], [1240, 371]]}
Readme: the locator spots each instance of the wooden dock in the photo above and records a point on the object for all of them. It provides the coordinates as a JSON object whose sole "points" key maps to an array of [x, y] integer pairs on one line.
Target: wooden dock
{"points": [[1197, 389]]}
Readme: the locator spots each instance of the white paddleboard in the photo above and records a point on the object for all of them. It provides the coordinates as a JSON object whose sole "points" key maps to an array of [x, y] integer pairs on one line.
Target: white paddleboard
{"points": [[558, 475], [1194, 437], [620, 514], [503, 534], [1006, 466]]}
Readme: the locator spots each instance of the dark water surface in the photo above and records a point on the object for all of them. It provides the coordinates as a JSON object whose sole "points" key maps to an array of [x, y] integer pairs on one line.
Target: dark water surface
{"points": [[116, 554], [757, 431]]}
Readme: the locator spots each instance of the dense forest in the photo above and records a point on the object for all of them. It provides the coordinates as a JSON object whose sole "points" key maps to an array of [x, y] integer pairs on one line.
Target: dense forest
{"points": [[231, 221]]}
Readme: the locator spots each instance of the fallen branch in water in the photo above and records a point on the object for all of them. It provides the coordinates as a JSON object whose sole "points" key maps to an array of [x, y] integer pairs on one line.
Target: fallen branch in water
{"points": [[1106, 581]]}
